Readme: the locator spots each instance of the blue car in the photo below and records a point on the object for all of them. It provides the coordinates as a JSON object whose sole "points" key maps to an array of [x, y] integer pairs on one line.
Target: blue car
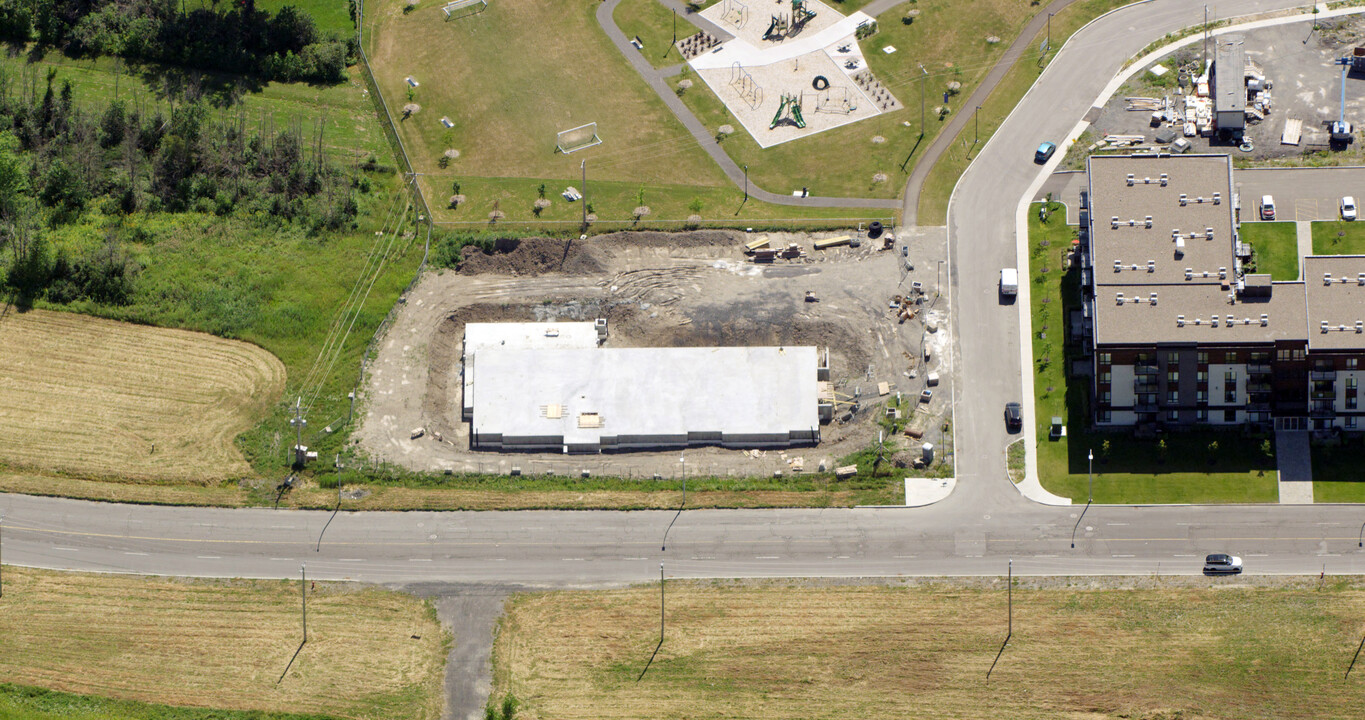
{"points": [[1044, 152]]}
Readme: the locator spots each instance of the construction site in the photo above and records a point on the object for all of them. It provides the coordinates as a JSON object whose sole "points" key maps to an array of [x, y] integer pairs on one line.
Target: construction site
{"points": [[716, 353], [1262, 94]]}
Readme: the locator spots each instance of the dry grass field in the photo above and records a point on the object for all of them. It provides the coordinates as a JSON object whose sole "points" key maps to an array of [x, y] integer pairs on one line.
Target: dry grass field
{"points": [[223, 644], [103, 399], [1202, 648]]}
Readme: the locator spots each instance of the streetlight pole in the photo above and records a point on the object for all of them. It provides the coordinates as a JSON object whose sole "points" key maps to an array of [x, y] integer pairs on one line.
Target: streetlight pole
{"points": [[303, 593], [2, 560], [924, 75], [1049, 31], [1090, 476], [746, 183], [976, 119], [584, 167]]}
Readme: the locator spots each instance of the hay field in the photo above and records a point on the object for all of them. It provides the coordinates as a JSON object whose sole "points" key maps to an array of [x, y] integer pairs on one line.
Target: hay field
{"points": [[223, 644], [103, 399], [1200, 649]]}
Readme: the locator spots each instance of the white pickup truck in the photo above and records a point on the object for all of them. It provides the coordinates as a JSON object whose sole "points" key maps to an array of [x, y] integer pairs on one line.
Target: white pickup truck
{"points": [[1009, 282]]}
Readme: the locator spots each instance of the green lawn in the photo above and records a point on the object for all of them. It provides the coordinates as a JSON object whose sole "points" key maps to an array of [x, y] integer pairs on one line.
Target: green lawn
{"points": [[1180, 468], [330, 16], [938, 187], [654, 25], [1338, 237], [18, 702], [1337, 475], [1276, 248]]}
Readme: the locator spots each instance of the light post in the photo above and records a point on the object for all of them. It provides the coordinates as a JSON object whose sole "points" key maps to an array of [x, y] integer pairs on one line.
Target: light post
{"points": [[746, 183], [924, 75], [976, 120], [1049, 31], [2, 560], [303, 593], [1090, 476]]}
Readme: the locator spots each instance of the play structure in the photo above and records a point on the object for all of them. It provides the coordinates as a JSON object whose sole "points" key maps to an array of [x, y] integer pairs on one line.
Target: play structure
{"points": [[575, 139], [463, 8], [784, 26], [789, 109], [745, 86], [735, 13], [838, 101]]}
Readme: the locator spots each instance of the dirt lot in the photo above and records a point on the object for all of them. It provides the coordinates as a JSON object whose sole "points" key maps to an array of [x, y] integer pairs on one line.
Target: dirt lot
{"points": [[664, 290], [1152, 648], [97, 398], [1307, 87]]}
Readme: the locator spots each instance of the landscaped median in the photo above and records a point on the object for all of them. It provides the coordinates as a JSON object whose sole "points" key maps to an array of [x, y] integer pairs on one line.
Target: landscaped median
{"points": [[1195, 466], [1130, 648]]}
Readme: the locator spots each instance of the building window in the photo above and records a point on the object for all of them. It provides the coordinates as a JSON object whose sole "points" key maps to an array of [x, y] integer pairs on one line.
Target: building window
{"points": [[1173, 358], [1351, 403], [1173, 376], [1144, 357], [1106, 377], [1201, 415], [1173, 396], [1173, 415], [1298, 355], [1350, 383], [1322, 365], [1203, 358], [1105, 358], [1260, 357], [1230, 358], [1230, 377], [1351, 422], [1103, 416], [1282, 355], [1229, 416], [1201, 376], [1201, 396], [1105, 397], [1230, 395], [1351, 363]]}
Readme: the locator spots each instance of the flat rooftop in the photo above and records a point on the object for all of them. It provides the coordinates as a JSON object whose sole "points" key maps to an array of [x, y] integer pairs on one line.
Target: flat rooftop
{"points": [[1229, 74], [1147, 252], [1336, 296], [587, 398], [1206, 310], [479, 336]]}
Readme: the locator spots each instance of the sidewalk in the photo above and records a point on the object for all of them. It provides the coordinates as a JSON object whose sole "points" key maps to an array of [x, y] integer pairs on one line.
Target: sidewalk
{"points": [[1295, 462]]}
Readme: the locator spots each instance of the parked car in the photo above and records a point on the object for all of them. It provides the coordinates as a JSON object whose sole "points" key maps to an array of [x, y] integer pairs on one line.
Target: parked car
{"points": [[1348, 208], [1222, 564], [1014, 416], [1044, 152], [1267, 207]]}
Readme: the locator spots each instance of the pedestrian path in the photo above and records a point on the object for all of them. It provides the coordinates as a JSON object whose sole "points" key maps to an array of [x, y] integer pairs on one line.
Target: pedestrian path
{"points": [[1296, 467], [1304, 229]]}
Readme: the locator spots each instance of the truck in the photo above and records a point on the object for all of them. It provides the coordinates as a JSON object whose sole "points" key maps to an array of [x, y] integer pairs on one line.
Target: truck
{"points": [[1009, 282]]}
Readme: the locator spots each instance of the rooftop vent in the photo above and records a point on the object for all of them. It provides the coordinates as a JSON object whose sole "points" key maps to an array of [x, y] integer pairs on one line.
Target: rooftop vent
{"points": [[1324, 326], [1184, 199], [1130, 179], [1114, 221], [1164, 178], [1231, 321], [1180, 247], [1189, 273], [1117, 266], [1213, 321], [1327, 278], [1148, 221], [1360, 278], [1222, 273], [551, 332], [1151, 266], [1180, 321], [1152, 299], [1119, 298], [1208, 233], [1265, 319], [1217, 198]]}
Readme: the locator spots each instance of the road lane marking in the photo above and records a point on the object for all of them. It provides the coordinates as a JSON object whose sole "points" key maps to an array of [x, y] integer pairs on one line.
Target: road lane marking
{"points": [[65, 548], [125, 552], [351, 560], [419, 559], [1115, 524], [767, 557], [1122, 556], [209, 557]]}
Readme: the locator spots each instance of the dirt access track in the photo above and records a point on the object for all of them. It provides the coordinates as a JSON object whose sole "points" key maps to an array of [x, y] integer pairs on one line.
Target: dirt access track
{"points": [[664, 290]]}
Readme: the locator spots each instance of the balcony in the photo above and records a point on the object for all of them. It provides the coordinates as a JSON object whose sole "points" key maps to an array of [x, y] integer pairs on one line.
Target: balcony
{"points": [[1322, 375], [1258, 387], [1142, 369], [1145, 406], [1322, 412], [1324, 395], [1258, 407], [1259, 368], [1145, 385]]}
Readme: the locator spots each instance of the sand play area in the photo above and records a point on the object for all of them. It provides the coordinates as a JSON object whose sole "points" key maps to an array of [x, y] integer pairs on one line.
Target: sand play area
{"points": [[815, 65]]}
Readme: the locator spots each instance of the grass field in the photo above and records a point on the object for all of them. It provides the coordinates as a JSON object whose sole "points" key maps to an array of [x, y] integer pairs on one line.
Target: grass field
{"points": [[1203, 648], [100, 398], [1338, 237], [20, 702], [1179, 468], [653, 24], [1276, 248], [371, 653], [938, 186]]}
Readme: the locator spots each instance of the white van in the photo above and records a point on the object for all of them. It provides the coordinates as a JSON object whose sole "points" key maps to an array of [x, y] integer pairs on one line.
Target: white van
{"points": [[1009, 282]]}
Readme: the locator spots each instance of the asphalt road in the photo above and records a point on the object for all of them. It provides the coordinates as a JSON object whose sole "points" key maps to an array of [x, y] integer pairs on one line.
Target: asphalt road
{"points": [[984, 523]]}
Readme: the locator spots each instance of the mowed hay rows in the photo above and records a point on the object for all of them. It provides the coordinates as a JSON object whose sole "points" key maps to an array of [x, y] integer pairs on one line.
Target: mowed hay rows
{"points": [[222, 644], [923, 652], [100, 398]]}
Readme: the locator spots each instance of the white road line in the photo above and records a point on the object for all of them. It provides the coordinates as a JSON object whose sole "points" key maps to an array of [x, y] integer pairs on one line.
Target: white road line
{"points": [[1186, 556], [573, 559], [1122, 556], [66, 549], [634, 558], [1115, 524], [1259, 555], [905, 556], [351, 560], [282, 559], [419, 559], [209, 557], [767, 557], [125, 552]]}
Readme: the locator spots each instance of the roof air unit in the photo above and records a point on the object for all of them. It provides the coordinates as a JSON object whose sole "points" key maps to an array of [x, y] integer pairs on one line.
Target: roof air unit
{"points": [[1114, 221], [1117, 266], [1222, 273], [1180, 247], [1119, 298], [1152, 299], [1180, 321], [1130, 179], [1213, 321], [1208, 233], [1324, 326], [1151, 266], [1327, 278], [1184, 199], [1189, 273], [1148, 220], [1164, 178], [1360, 326], [1360, 278], [1265, 319], [1231, 321], [1217, 198]]}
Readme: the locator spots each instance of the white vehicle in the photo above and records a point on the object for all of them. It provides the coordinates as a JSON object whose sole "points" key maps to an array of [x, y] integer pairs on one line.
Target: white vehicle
{"points": [[1267, 207], [1348, 208], [1009, 282], [1222, 564]]}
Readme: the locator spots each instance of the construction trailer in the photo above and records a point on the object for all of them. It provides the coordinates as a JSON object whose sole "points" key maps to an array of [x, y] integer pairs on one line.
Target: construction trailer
{"points": [[1229, 84]]}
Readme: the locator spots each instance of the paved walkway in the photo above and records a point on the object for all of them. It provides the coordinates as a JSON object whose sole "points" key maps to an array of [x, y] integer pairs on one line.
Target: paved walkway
{"points": [[1296, 467], [940, 145], [1304, 229]]}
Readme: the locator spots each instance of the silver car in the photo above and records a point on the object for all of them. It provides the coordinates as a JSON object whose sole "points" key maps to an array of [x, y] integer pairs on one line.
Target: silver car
{"points": [[1222, 564]]}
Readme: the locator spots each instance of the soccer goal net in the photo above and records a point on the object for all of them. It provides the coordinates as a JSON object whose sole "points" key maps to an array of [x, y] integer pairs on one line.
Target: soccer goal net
{"points": [[464, 8], [583, 136]]}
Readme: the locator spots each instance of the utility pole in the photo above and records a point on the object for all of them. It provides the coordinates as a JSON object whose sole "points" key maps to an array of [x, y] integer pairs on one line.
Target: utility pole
{"points": [[1090, 476], [339, 469], [584, 167], [746, 183], [298, 422], [976, 119], [1049, 31], [661, 602], [2, 560], [675, 30], [924, 75], [303, 593]]}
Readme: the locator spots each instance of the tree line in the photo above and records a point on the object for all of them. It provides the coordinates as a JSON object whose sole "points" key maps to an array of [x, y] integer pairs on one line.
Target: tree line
{"points": [[285, 46], [59, 161]]}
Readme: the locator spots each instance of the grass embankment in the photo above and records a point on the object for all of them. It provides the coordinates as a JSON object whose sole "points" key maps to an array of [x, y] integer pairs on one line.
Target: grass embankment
{"points": [[223, 644], [1202, 649], [1276, 248], [107, 399], [844, 161], [938, 186], [1183, 467], [19, 702], [654, 24]]}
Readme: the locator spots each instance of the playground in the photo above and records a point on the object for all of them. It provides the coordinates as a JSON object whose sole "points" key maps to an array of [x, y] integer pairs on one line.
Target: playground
{"points": [[791, 73]]}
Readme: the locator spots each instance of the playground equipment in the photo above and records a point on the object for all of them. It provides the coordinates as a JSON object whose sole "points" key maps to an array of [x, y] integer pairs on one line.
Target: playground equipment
{"points": [[734, 13], [745, 86], [791, 104], [784, 26], [464, 8], [838, 102], [575, 139]]}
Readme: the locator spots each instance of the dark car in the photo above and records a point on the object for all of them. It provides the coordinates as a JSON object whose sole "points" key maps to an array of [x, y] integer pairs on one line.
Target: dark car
{"points": [[1222, 564], [1044, 152], [1014, 416]]}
